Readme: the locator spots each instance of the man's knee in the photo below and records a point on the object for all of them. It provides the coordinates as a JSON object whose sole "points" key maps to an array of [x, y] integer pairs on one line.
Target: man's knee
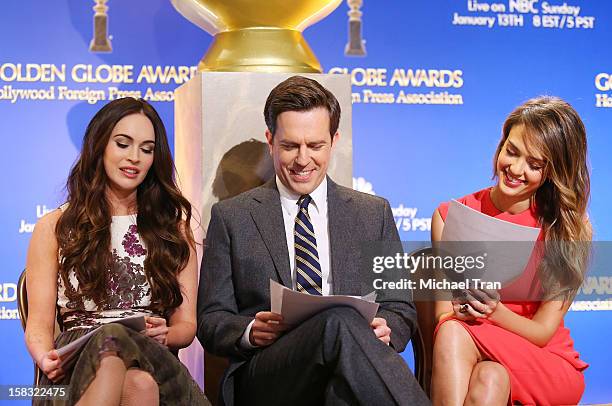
{"points": [[344, 314], [342, 328], [343, 318]]}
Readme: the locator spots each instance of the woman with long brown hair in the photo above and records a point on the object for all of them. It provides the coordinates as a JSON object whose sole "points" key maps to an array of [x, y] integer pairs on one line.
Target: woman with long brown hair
{"points": [[517, 350], [120, 246]]}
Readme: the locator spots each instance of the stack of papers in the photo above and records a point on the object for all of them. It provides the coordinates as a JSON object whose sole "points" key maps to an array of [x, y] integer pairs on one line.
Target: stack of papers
{"points": [[296, 307], [68, 352], [504, 262]]}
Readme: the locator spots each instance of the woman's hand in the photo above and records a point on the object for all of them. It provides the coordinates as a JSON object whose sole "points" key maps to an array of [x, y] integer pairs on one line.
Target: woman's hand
{"points": [[475, 304], [157, 329], [50, 364], [486, 300], [462, 310]]}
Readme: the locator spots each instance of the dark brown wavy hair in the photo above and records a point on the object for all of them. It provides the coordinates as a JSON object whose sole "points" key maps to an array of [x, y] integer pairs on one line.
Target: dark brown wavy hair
{"points": [[163, 219], [555, 129]]}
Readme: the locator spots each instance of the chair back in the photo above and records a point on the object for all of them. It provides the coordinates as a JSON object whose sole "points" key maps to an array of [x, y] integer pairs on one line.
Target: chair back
{"points": [[22, 299], [423, 343], [214, 369]]}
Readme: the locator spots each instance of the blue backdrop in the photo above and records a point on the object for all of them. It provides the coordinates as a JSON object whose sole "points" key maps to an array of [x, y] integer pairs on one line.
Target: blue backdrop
{"points": [[414, 152]]}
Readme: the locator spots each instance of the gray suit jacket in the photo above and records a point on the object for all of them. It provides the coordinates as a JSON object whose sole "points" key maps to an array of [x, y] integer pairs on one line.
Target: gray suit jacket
{"points": [[246, 246]]}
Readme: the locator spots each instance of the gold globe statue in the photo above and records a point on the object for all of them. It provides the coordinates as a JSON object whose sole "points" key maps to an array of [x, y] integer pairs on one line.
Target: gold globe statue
{"points": [[257, 35]]}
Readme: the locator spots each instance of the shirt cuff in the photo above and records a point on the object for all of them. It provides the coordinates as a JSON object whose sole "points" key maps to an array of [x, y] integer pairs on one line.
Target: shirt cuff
{"points": [[245, 343]]}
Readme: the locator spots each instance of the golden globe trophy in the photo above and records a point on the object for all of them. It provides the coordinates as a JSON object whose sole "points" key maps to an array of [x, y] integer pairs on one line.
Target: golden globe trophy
{"points": [[355, 45], [257, 35], [100, 41]]}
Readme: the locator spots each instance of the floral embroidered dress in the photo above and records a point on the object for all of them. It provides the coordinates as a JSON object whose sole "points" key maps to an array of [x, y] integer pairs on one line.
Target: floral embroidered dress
{"points": [[128, 293], [128, 290]]}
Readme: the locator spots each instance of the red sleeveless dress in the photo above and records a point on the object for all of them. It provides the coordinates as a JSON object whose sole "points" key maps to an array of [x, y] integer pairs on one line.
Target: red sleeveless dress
{"points": [[549, 375]]}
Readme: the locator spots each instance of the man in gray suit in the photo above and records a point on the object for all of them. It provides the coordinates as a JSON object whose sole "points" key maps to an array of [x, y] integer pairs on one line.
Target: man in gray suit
{"points": [[304, 231]]}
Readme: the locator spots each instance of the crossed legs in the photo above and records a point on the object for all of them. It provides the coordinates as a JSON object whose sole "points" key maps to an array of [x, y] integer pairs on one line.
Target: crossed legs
{"points": [[461, 374], [116, 385], [333, 358]]}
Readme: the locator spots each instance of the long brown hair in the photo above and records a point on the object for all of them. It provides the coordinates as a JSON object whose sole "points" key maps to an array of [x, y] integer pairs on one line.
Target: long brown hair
{"points": [[555, 129], [163, 219]]}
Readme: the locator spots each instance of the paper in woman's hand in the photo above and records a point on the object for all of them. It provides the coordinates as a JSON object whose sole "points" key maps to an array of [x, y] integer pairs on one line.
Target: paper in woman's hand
{"points": [[68, 352], [507, 246]]}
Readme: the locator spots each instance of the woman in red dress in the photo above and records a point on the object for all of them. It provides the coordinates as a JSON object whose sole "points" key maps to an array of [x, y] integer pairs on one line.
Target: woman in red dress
{"points": [[490, 352]]}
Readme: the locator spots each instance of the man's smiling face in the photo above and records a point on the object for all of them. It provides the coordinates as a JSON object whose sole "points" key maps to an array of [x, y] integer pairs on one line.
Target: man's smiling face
{"points": [[301, 148]]}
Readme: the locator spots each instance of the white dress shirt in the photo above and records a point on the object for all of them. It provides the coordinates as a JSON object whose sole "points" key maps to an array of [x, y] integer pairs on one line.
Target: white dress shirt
{"points": [[317, 210]]}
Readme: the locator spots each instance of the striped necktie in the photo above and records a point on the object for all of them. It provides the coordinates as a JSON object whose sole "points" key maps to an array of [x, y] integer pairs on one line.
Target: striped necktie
{"points": [[308, 270]]}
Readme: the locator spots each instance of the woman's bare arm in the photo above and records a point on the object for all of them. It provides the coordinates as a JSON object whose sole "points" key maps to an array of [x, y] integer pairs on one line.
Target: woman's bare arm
{"points": [[41, 282], [538, 330], [182, 323]]}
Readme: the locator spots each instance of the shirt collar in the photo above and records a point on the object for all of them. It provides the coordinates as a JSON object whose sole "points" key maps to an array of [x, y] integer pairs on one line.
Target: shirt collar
{"points": [[289, 198]]}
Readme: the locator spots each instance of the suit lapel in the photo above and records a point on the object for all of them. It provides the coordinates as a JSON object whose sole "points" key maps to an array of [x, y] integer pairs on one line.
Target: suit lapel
{"points": [[341, 234], [267, 214]]}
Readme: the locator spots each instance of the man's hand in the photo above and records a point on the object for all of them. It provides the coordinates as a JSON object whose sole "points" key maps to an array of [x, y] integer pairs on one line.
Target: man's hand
{"points": [[382, 331], [266, 329]]}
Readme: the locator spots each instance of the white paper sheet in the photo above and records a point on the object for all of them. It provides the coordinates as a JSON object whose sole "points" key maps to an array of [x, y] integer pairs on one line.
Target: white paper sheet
{"points": [[67, 352], [296, 307], [504, 262]]}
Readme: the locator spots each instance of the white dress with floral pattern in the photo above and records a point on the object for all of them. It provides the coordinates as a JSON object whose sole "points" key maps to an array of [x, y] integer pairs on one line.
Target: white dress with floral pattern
{"points": [[128, 290]]}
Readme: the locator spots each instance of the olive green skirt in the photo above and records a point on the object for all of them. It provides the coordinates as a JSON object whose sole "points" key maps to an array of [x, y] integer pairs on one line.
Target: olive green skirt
{"points": [[176, 387]]}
